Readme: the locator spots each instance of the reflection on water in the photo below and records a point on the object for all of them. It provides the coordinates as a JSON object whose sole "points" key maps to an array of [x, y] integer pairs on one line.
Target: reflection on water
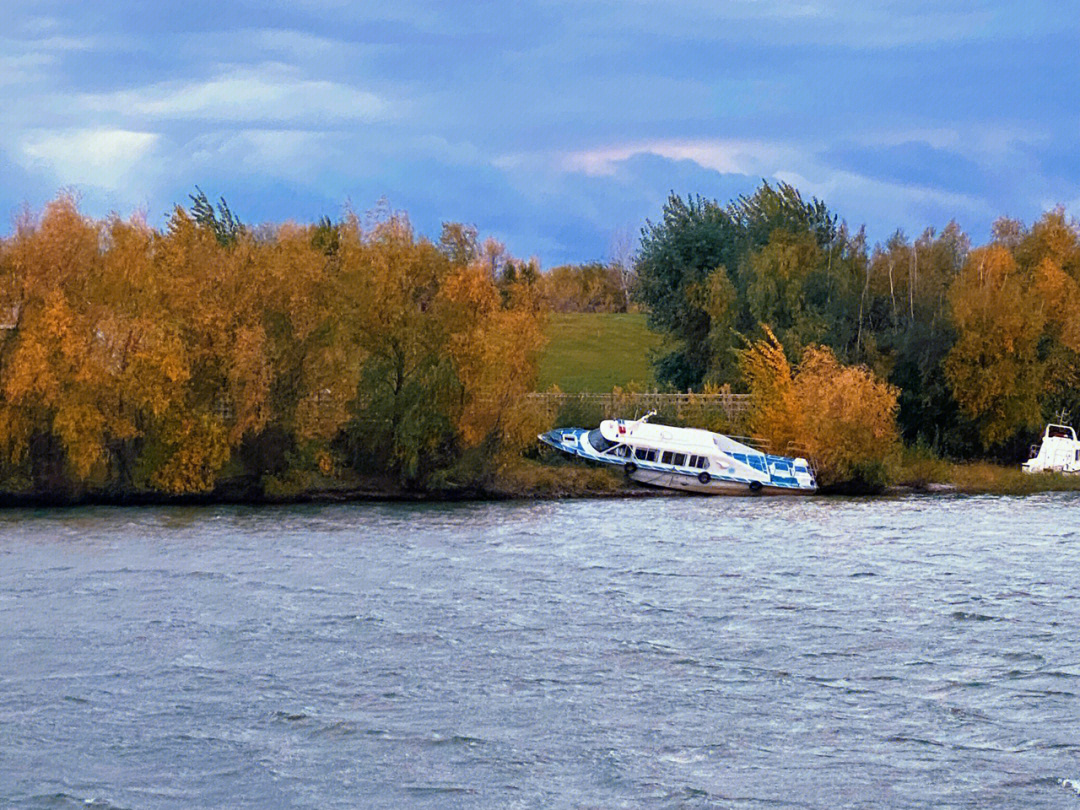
{"points": [[664, 652]]}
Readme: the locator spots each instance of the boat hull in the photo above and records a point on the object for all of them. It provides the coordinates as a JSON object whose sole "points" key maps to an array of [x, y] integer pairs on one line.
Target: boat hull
{"points": [[715, 486], [1050, 470]]}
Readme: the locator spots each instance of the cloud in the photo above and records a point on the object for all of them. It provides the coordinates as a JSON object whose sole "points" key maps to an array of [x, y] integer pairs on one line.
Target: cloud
{"points": [[327, 55], [552, 123], [294, 154], [104, 158], [854, 24], [267, 93], [914, 162], [893, 190], [295, 44], [726, 155], [890, 204], [23, 61], [24, 68], [51, 44]]}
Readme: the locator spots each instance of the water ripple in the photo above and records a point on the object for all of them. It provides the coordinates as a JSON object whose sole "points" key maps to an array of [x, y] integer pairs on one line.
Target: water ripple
{"points": [[656, 653]]}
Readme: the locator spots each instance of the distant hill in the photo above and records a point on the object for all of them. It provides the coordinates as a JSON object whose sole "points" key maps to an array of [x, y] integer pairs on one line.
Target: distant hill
{"points": [[593, 352]]}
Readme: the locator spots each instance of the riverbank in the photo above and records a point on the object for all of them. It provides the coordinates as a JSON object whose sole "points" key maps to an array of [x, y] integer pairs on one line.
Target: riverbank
{"points": [[537, 480], [916, 472]]}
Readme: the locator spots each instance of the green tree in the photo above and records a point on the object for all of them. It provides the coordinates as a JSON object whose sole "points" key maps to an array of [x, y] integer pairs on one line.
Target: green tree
{"points": [[779, 253], [222, 223]]}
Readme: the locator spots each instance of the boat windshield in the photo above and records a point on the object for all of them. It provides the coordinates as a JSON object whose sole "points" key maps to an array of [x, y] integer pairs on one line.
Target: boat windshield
{"points": [[598, 442]]}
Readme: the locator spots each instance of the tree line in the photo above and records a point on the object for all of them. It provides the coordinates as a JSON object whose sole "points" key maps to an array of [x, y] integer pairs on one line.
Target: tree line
{"points": [[284, 358], [134, 359]]}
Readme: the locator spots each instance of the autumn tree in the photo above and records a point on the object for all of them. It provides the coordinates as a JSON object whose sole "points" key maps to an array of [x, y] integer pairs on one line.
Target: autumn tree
{"points": [[590, 287], [133, 360], [215, 291], [448, 351], [494, 339], [1015, 363], [1050, 252], [994, 368], [55, 369], [842, 417], [407, 385]]}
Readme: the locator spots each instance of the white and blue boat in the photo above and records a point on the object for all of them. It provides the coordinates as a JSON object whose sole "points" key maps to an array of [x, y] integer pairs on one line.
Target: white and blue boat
{"points": [[686, 459]]}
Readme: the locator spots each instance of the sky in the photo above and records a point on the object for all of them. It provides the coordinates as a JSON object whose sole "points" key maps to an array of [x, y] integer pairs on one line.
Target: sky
{"points": [[557, 126]]}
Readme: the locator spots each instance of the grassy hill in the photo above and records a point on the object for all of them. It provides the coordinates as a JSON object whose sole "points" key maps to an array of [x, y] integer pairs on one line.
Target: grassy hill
{"points": [[597, 351]]}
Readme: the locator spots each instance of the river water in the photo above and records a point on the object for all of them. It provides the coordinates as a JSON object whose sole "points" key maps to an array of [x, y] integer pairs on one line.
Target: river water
{"points": [[662, 652]]}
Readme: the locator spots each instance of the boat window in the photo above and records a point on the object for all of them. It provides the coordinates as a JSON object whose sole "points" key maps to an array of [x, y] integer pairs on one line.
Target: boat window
{"points": [[703, 462], [645, 454], [622, 451], [679, 460], [598, 442], [666, 458]]}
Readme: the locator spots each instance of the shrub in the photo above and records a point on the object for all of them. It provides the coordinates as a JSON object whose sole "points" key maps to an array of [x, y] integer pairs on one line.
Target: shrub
{"points": [[843, 417]]}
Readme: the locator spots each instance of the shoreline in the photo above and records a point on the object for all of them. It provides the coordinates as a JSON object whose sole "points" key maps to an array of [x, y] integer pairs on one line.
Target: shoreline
{"points": [[621, 491]]}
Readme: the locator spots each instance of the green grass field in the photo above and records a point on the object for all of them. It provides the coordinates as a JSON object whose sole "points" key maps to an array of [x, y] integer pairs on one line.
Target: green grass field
{"points": [[594, 352]]}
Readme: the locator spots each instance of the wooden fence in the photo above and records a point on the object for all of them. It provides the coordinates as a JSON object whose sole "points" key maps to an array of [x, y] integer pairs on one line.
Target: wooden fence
{"points": [[722, 411], [699, 410]]}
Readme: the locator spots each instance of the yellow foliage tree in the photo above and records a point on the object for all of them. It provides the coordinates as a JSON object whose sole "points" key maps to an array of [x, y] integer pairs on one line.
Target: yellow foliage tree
{"points": [[775, 412], [217, 294], [90, 357], [849, 417], [842, 417], [994, 369], [448, 354], [495, 348], [137, 359]]}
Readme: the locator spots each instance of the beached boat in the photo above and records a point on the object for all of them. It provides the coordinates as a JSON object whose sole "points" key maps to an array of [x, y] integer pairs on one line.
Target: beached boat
{"points": [[685, 459], [1059, 451]]}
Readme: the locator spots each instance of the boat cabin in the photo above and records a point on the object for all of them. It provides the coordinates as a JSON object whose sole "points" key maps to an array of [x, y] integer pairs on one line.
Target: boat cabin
{"points": [[1060, 432], [649, 455]]}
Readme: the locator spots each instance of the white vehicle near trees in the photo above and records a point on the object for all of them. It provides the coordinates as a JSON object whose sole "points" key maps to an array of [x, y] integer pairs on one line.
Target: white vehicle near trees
{"points": [[1058, 452]]}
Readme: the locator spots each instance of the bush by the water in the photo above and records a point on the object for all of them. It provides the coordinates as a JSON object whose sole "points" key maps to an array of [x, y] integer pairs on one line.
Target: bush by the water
{"points": [[842, 417]]}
